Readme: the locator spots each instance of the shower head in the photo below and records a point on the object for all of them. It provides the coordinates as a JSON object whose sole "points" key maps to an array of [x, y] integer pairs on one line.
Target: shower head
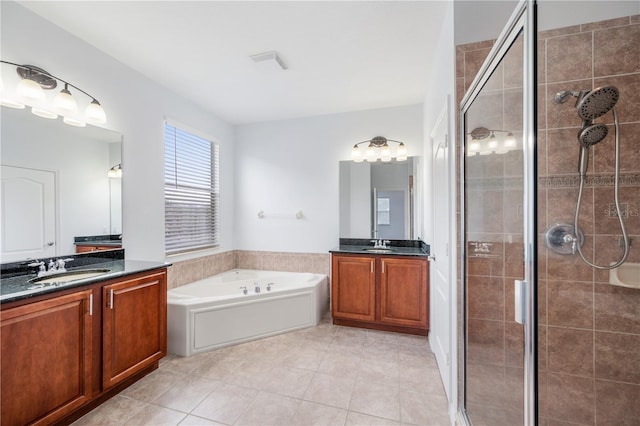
{"points": [[597, 102], [591, 134]]}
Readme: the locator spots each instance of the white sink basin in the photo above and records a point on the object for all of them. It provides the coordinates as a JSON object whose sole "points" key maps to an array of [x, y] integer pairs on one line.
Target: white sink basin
{"points": [[65, 277], [626, 275]]}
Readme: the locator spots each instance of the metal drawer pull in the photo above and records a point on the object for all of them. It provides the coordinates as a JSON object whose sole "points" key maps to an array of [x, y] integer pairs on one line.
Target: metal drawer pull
{"points": [[91, 304], [111, 298]]}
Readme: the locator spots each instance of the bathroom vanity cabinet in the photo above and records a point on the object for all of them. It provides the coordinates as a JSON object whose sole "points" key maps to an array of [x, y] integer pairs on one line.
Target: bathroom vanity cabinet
{"points": [[63, 353], [380, 292]]}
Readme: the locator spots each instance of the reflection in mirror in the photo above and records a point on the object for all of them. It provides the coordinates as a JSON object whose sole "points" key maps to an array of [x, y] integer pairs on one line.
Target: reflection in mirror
{"points": [[378, 200], [55, 185]]}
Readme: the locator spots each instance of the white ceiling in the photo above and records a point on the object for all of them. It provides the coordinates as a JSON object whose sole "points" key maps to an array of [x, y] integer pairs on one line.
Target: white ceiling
{"points": [[341, 55]]}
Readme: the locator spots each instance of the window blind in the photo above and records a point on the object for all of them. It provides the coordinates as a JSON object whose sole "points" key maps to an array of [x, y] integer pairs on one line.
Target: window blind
{"points": [[191, 191]]}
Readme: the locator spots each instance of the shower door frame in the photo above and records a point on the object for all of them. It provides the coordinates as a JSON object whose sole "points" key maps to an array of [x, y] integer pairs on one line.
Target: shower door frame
{"points": [[523, 20]]}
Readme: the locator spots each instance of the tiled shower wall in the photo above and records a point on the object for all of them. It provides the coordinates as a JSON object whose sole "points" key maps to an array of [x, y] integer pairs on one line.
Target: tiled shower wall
{"points": [[589, 356], [589, 330], [188, 271]]}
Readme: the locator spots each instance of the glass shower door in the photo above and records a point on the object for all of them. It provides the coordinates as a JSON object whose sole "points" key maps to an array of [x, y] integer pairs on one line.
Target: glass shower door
{"points": [[498, 229]]}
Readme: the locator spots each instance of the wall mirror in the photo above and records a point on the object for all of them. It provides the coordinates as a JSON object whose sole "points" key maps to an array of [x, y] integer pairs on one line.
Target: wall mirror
{"points": [[55, 185], [379, 200]]}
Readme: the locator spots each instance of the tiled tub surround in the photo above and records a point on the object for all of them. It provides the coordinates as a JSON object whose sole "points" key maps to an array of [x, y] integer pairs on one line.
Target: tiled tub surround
{"points": [[589, 334], [188, 271]]}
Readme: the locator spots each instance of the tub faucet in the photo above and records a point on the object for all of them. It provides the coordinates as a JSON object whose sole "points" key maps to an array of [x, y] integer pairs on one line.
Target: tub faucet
{"points": [[244, 290], [269, 286], [257, 287]]}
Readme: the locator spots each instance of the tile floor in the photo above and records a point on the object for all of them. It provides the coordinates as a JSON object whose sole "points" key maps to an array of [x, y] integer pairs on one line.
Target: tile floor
{"points": [[325, 375]]}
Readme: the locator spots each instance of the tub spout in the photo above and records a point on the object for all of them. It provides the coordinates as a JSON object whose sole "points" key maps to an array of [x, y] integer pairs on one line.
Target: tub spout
{"points": [[257, 287], [244, 290]]}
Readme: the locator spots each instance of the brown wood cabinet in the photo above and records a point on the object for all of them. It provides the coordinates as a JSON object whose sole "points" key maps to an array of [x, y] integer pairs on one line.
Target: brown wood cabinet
{"points": [[65, 353], [353, 290], [134, 326], [87, 249], [380, 292], [46, 359]]}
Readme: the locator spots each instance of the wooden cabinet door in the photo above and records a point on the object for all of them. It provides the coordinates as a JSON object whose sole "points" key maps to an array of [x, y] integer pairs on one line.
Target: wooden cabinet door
{"points": [[353, 288], [46, 359], [134, 321], [404, 295]]}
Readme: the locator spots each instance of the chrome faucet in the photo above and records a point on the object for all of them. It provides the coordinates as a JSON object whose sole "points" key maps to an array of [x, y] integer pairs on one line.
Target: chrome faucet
{"points": [[380, 243], [54, 266], [244, 290], [257, 287], [269, 286]]}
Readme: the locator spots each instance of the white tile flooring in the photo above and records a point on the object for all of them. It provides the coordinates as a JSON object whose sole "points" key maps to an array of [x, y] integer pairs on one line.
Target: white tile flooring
{"points": [[325, 375]]}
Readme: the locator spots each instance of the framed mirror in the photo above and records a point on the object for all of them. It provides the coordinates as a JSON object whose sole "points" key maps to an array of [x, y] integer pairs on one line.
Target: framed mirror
{"points": [[55, 185], [379, 200]]}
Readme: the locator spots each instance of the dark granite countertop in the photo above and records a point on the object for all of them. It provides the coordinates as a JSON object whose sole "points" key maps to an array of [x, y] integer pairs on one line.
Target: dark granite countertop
{"points": [[99, 240], [394, 247], [15, 279]]}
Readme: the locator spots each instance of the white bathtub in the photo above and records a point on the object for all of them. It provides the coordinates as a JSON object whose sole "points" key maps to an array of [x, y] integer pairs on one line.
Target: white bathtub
{"points": [[214, 312]]}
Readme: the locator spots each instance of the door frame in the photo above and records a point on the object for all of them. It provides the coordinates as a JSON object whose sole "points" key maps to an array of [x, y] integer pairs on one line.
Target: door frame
{"points": [[523, 19]]}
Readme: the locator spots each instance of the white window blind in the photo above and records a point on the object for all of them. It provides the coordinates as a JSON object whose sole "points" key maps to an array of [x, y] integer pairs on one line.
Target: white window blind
{"points": [[191, 191]]}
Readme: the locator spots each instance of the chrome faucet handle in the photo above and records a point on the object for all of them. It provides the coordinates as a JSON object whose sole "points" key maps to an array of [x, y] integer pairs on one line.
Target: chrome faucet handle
{"points": [[62, 262], [385, 242], [53, 265], [375, 243], [269, 285], [256, 287], [244, 289], [42, 269]]}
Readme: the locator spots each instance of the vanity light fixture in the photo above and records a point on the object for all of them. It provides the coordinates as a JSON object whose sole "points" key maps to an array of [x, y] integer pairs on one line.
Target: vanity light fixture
{"points": [[30, 91], [378, 148], [115, 171], [484, 142]]}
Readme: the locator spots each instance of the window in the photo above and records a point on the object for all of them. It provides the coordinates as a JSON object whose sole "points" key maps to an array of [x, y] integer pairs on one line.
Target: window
{"points": [[191, 191]]}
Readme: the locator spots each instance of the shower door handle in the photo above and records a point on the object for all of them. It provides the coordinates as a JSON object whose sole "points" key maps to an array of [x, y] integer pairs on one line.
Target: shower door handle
{"points": [[520, 301]]}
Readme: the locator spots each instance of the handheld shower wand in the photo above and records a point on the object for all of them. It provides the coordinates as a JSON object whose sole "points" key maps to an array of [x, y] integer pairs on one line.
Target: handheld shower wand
{"points": [[591, 105]]}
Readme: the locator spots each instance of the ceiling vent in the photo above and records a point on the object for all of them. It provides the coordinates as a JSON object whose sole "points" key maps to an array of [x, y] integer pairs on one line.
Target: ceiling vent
{"points": [[269, 61]]}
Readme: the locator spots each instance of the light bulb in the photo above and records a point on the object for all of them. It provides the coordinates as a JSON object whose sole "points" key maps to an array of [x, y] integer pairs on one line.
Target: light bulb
{"points": [[11, 104], [385, 153], [356, 155], [371, 154], [44, 113], [510, 141], [95, 113], [64, 102], [401, 153], [30, 92], [73, 122]]}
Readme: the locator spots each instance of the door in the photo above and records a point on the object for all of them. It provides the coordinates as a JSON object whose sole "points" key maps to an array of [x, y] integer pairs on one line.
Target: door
{"points": [[498, 250], [442, 289], [404, 294], [46, 359], [28, 216], [134, 326], [353, 288]]}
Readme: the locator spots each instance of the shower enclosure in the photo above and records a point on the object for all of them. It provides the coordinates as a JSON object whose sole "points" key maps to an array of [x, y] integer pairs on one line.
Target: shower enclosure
{"points": [[550, 216]]}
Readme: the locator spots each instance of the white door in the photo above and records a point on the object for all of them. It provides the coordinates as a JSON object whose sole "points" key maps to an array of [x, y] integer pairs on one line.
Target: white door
{"points": [[442, 289], [27, 216]]}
